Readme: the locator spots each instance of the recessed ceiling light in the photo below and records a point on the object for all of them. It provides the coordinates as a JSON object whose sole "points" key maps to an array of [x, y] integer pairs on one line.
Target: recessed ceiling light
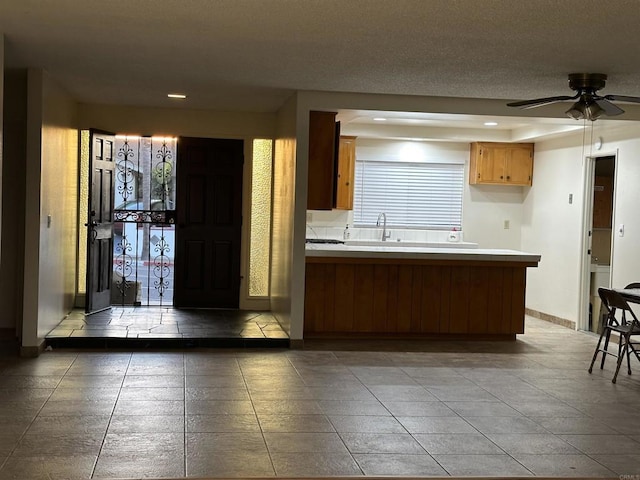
{"points": [[490, 124], [181, 96], [380, 119]]}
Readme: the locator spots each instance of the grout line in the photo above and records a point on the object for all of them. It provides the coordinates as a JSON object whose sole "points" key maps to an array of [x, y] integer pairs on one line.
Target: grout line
{"points": [[115, 405]]}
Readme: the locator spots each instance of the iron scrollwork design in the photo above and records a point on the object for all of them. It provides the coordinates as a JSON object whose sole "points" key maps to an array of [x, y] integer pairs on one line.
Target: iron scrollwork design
{"points": [[141, 216], [125, 169], [161, 266], [162, 175], [123, 266]]}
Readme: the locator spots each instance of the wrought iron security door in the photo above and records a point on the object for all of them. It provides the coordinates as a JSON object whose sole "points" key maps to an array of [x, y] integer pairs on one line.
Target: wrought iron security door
{"points": [[144, 216]]}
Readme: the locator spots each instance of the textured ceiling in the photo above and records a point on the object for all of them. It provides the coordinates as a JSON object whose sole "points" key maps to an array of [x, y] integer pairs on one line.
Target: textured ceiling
{"points": [[252, 54]]}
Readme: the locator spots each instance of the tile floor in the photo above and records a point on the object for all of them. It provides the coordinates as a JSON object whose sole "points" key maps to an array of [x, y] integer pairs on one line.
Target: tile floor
{"points": [[524, 408], [176, 327]]}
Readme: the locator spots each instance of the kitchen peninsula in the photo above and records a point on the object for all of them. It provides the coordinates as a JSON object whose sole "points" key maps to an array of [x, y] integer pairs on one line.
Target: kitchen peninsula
{"points": [[398, 291]]}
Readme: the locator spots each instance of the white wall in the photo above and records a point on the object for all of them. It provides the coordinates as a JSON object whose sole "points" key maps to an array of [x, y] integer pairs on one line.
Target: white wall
{"points": [[625, 263], [485, 207], [552, 227]]}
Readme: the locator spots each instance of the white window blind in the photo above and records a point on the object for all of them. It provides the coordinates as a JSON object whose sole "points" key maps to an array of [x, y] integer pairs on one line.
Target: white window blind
{"points": [[426, 195]]}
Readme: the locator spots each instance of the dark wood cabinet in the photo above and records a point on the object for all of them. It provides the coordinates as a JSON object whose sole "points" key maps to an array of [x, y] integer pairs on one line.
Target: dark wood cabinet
{"points": [[395, 297], [322, 161]]}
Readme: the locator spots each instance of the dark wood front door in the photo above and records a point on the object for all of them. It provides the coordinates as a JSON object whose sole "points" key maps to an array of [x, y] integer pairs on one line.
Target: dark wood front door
{"points": [[100, 222], [209, 221]]}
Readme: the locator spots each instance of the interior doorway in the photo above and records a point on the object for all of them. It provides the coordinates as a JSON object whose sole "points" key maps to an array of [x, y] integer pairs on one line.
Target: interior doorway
{"points": [[600, 234]]}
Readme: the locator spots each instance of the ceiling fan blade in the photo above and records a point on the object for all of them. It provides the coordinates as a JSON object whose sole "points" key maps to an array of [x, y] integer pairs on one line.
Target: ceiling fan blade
{"points": [[622, 98], [609, 108], [538, 102]]}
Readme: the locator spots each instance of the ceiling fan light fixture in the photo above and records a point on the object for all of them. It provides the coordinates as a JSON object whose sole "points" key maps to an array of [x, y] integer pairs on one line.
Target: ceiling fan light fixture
{"points": [[585, 109], [593, 111], [577, 111]]}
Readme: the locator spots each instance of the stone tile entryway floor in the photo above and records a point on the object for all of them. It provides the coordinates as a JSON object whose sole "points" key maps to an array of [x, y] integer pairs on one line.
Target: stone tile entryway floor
{"points": [[524, 408], [162, 323]]}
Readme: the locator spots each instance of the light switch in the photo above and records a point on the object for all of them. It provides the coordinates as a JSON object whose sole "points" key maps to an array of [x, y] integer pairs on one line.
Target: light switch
{"points": [[506, 225], [570, 198]]}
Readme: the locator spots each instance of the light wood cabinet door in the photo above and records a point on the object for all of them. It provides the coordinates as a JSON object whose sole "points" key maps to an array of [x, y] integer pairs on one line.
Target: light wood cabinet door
{"points": [[491, 165], [346, 173], [501, 163], [519, 166]]}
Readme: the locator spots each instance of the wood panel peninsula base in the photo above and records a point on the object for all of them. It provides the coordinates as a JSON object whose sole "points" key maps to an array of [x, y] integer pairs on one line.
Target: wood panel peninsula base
{"points": [[432, 293]]}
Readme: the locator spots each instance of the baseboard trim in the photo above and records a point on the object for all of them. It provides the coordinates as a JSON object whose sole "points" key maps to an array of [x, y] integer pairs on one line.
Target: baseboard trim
{"points": [[32, 351], [550, 318], [296, 344]]}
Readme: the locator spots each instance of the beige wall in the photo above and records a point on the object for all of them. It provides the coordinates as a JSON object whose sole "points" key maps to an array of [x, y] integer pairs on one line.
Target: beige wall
{"points": [[52, 176], [13, 199], [284, 171], [1, 120], [177, 122]]}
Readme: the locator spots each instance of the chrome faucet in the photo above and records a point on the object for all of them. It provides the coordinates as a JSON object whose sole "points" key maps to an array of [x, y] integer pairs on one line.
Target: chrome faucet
{"points": [[385, 234]]}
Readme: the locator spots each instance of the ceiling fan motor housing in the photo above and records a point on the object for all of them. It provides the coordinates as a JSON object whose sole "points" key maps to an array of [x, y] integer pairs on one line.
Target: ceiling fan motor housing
{"points": [[587, 82]]}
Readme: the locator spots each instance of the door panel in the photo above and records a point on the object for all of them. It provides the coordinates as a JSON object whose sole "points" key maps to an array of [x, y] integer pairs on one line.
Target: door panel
{"points": [[209, 189], [100, 221]]}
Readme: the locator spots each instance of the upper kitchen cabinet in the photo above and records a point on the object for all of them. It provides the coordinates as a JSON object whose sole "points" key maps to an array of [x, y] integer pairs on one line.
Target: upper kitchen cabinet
{"points": [[346, 172], [501, 163], [322, 158]]}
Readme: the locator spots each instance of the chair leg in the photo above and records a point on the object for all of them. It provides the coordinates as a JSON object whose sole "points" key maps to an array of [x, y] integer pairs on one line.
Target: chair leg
{"points": [[628, 349], [607, 333], [595, 354], [622, 350]]}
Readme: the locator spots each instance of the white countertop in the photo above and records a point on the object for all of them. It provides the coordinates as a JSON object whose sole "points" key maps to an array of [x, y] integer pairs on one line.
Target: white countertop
{"points": [[397, 250]]}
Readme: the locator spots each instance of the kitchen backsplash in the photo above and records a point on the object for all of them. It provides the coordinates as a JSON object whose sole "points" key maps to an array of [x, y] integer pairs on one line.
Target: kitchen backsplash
{"points": [[331, 225]]}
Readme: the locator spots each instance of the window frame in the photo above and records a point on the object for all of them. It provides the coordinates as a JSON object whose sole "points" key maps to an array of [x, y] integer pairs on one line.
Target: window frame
{"points": [[448, 175]]}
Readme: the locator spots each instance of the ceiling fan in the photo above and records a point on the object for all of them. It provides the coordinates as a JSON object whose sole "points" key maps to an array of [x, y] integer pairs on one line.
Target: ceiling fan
{"points": [[589, 104]]}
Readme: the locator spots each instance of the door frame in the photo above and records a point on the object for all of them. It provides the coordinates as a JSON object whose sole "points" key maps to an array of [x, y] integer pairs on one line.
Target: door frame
{"points": [[587, 229]]}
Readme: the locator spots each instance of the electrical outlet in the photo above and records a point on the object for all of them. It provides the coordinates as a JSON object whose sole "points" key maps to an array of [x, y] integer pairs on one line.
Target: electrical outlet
{"points": [[309, 217], [507, 225]]}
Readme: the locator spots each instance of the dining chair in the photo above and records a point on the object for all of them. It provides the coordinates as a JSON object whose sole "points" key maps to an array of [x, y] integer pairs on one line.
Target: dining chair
{"points": [[619, 319]]}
